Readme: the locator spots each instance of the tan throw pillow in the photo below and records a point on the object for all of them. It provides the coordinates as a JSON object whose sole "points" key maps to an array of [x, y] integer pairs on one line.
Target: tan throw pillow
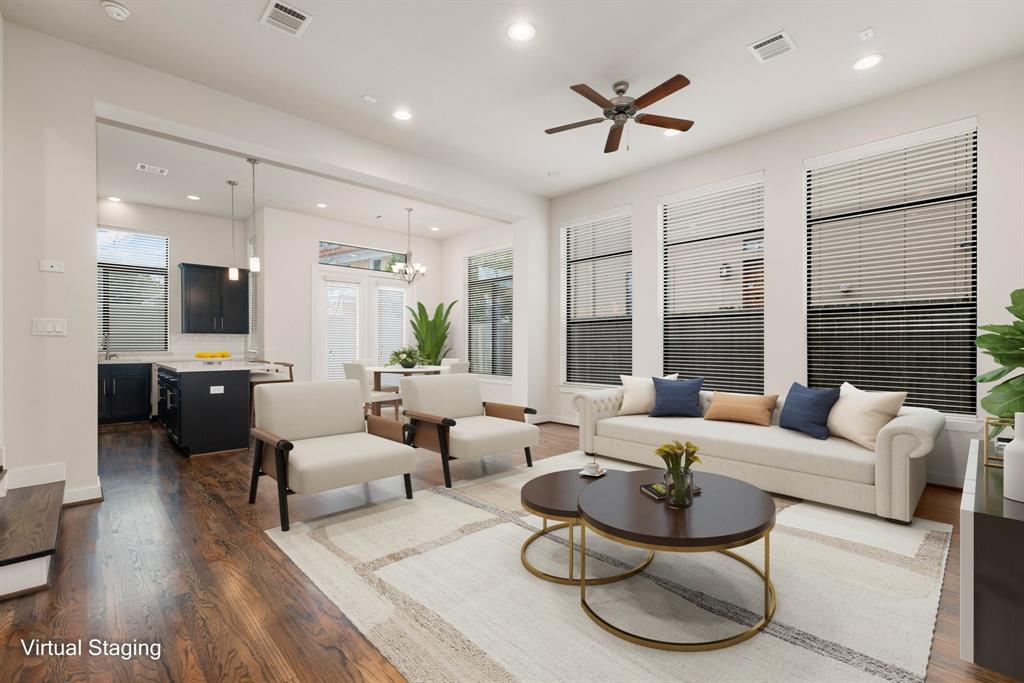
{"points": [[859, 415], [638, 397], [742, 408]]}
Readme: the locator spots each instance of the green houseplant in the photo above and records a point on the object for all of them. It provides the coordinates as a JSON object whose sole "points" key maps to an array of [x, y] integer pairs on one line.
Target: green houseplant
{"points": [[1005, 344], [431, 333], [679, 458], [407, 357]]}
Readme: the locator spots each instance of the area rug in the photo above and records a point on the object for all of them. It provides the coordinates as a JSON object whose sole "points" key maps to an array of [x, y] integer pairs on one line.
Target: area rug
{"points": [[437, 586]]}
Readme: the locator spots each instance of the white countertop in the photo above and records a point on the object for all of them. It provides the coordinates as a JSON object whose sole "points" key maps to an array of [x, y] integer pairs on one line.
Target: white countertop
{"points": [[225, 365]]}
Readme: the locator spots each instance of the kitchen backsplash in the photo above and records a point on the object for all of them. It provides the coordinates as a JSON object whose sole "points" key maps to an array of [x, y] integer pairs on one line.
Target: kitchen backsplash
{"points": [[186, 345]]}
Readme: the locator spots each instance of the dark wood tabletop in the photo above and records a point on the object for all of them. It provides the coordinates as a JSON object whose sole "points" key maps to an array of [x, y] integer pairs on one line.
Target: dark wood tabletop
{"points": [[727, 511], [555, 493]]}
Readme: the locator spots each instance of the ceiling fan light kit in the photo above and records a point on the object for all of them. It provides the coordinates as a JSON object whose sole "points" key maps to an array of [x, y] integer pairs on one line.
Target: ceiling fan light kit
{"points": [[623, 108]]}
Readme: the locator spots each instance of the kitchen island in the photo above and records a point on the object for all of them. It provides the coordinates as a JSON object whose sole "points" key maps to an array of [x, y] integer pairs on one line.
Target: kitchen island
{"points": [[204, 405]]}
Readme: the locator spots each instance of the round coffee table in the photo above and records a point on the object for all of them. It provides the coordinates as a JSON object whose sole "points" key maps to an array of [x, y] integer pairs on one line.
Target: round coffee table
{"points": [[553, 497], [728, 513]]}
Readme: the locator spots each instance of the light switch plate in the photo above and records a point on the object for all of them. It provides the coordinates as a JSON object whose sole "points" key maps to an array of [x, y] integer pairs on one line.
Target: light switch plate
{"points": [[49, 327], [51, 266]]}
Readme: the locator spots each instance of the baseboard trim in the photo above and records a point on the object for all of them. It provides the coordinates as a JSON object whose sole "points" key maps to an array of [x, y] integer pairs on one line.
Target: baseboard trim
{"points": [[84, 494], [25, 577], [559, 419], [33, 476], [951, 481]]}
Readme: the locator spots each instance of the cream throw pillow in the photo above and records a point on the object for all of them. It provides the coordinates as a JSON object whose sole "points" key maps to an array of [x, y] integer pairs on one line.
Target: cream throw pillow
{"points": [[859, 415], [638, 397]]}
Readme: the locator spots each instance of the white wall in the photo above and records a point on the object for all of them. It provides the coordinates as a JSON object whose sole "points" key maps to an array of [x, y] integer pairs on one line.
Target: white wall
{"points": [[992, 93], [53, 91], [290, 259], [454, 251], [192, 238]]}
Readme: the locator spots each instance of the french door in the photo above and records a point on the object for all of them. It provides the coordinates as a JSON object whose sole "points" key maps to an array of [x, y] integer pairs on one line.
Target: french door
{"points": [[341, 326]]}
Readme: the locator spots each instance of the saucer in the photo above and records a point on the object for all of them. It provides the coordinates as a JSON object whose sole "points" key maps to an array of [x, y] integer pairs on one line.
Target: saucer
{"points": [[599, 473]]}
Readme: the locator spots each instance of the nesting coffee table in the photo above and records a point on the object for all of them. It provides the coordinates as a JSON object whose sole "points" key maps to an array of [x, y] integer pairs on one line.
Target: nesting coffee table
{"points": [[727, 514], [553, 497]]}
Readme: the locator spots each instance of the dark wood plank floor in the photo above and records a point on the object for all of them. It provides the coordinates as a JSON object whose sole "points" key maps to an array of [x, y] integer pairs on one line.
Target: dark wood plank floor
{"points": [[31, 517], [174, 554]]}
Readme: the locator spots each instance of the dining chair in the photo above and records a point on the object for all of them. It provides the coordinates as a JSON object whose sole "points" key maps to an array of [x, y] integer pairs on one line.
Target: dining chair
{"points": [[356, 370]]}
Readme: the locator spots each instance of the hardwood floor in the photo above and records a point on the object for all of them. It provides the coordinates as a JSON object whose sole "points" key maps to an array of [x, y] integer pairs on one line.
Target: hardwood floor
{"points": [[175, 555]]}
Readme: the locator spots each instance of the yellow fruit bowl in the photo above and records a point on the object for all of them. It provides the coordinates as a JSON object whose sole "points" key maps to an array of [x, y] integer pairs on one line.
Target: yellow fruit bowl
{"points": [[213, 354]]}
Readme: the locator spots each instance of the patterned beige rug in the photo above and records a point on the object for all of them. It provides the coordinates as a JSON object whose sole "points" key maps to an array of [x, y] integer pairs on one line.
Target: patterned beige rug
{"points": [[436, 584]]}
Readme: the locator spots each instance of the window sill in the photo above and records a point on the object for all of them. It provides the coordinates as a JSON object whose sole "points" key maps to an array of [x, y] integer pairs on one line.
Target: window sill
{"points": [[963, 423], [495, 379], [567, 388]]}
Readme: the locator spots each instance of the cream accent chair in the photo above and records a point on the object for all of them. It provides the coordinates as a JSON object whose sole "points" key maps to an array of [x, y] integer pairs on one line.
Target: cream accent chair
{"points": [[320, 440], [457, 368], [372, 400], [445, 362], [447, 415]]}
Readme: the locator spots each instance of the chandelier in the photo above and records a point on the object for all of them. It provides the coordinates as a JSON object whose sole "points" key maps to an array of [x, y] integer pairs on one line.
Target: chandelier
{"points": [[408, 271]]}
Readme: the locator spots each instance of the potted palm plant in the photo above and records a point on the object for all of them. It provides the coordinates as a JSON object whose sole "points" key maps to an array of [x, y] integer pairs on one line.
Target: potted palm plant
{"points": [[431, 332]]}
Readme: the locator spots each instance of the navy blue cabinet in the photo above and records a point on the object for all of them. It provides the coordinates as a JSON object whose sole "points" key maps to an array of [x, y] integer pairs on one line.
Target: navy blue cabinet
{"points": [[213, 303], [124, 392]]}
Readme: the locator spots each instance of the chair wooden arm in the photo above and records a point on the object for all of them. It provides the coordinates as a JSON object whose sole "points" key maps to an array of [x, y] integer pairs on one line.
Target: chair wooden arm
{"points": [[427, 417], [507, 411], [272, 439], [392, 430]]}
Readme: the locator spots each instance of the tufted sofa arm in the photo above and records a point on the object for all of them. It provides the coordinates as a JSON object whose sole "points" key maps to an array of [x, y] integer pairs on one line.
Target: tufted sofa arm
{"points": [[900, 451], [593, 406]]}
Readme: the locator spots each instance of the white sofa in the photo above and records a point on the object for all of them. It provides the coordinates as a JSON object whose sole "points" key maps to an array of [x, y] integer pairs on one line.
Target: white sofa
{"points": [[886, 482]]}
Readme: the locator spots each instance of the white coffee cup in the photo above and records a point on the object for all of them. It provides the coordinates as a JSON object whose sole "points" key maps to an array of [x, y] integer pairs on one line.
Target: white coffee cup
{"points": [[591, 468]]}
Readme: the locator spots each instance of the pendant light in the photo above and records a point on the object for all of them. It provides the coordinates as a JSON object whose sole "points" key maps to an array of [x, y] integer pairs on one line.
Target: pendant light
{"points": [[233, 270], [409, 270], [254, 260]]}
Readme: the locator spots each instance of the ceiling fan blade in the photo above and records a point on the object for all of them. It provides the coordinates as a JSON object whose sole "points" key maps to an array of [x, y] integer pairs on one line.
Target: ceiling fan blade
{"points": [[614, 135], [664, 122], [677, 82], [592, 95], [570, 126]]}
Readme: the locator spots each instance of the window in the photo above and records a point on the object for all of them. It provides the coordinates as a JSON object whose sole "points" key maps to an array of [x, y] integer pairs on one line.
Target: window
{"points": [[342, 326], [598, 299], [390, 322], [254, 311], [333, 254], [892, 271], [713, 284], [131, 291], [489, 292]]}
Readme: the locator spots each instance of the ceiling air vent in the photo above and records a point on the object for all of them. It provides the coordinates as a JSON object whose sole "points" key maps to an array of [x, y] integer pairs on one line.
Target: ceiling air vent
{"points": [[149, 168], [284, 17], [771, 47]]}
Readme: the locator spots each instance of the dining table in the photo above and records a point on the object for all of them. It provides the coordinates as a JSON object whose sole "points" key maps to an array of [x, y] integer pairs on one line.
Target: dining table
{"points": [[378, 370]]}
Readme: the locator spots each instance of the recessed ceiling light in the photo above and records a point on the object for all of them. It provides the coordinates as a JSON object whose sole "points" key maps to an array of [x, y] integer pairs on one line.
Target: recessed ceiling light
{"points": [[434, 228], [193, 197], [115, 11], [521, 32], [321, 205], [370, 99], [553, 174], [402, 115], [669, 132], [867, 62], [113, 199]]}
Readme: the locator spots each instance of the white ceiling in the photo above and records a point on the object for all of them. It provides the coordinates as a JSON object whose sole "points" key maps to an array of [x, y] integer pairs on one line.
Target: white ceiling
{"points": [[202, 172], [481, 102]]}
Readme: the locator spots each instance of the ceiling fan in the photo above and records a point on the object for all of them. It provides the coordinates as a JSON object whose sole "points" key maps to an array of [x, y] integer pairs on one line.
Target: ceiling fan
{"points": [[622, 108]]}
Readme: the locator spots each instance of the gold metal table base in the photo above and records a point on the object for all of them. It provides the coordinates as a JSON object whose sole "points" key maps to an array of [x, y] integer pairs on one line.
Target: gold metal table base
{"points": [[770, 600], [571, 579]]}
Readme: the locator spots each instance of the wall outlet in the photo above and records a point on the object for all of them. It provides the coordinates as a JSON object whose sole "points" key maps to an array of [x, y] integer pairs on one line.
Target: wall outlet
{"points": [[49, 327], [51, 266]]}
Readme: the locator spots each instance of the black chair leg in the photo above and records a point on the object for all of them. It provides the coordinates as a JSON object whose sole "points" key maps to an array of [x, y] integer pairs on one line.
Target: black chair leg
{"points": [[257, 461], [408, 485], [529, 458], [447, 472], [282, 489]]}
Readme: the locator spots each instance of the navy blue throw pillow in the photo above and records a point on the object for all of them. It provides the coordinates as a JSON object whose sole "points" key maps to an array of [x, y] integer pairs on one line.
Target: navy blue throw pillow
{"points": [[806, 410], [677, 397]]}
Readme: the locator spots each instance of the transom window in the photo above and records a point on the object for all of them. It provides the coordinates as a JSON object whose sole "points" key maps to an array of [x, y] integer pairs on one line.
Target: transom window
{"points": [[363, 258]]}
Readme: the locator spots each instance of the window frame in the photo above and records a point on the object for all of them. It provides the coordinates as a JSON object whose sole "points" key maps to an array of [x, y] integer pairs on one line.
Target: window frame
{"points": [[563, 293], [167, 288], [354, 246], [468, 314]]}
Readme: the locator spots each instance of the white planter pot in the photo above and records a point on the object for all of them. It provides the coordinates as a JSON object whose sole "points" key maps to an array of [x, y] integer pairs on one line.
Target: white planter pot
{"points": [[1013, 462]]}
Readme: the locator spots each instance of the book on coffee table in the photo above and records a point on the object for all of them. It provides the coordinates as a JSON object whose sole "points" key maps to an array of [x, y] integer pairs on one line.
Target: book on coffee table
{"points": [[656, 491]]}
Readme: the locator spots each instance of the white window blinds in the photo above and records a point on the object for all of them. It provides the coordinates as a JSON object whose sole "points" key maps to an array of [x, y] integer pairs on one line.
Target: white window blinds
{"points": [[254, 311], [390, 322], [599, 299], [489, 293], [342, 325], [892, 272], [713, 284], [131, 291]]}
